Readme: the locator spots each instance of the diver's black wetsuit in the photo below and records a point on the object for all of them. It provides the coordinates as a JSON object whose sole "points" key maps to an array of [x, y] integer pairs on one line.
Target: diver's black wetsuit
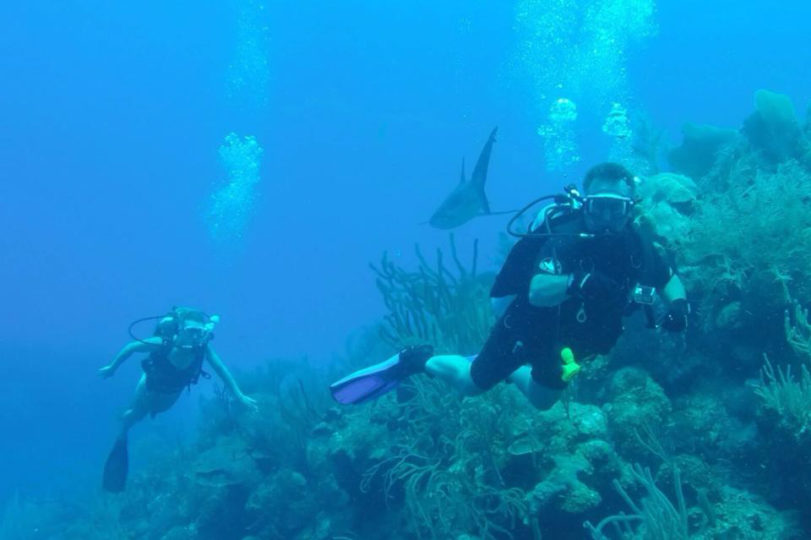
{"points": [[162, 376], [526, 334]]}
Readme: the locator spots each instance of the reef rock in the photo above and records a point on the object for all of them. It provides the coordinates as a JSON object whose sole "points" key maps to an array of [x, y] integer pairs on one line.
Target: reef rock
{"points": [[637, 405], [668, 200], [225, 465], [577, 460]]}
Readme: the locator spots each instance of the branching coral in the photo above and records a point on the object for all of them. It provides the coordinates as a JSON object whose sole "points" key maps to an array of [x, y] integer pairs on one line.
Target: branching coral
{"points": [[798, 331], [789, 397], [443, 460], [434, 304], [751, 239], [444, 464], [655, 517], [291, 403]]}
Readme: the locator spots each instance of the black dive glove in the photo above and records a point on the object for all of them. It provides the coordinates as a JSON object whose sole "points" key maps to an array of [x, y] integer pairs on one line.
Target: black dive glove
{"points": [[676, 318], [595, 287]]}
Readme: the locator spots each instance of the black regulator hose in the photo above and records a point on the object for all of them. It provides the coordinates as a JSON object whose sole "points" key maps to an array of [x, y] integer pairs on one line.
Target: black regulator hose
{"points": [[139, 321], [521, 212], [569, 198], [560, 199]]}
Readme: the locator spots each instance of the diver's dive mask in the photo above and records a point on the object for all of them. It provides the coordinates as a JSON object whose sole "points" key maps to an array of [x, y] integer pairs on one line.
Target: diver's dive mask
{"points": [[191, 336], [607, 211], [193, 333]]}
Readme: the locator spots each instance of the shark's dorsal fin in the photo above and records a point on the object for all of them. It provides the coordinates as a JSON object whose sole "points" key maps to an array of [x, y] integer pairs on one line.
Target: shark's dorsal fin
{"points": [[479, 174], [468, 199]]}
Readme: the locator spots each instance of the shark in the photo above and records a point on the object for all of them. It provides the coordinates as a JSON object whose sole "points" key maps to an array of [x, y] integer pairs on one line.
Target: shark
{"points": [[468, 200]]}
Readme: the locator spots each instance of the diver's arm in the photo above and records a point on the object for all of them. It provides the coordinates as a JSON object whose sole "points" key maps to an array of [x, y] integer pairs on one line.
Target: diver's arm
{"points": [[128, 350], [500, 304], [223, 373], [514, 276], [674, 290], [677, 307], [546, 290]]}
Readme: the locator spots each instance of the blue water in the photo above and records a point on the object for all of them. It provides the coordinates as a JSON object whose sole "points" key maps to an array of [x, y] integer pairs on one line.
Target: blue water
{"points": [[113, 114]]}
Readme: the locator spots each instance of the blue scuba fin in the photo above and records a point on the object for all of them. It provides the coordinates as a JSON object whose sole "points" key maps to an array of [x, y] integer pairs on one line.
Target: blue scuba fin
{"points": [[376, 380]]}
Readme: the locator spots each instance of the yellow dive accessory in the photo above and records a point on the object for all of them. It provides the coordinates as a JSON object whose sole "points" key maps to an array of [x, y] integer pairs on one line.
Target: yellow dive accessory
{"points": [[570, 367]]}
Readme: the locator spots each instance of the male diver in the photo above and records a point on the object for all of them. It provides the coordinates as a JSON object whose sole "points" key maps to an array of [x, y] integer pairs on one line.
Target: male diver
{"points": [[559, 298], [177, 352]]}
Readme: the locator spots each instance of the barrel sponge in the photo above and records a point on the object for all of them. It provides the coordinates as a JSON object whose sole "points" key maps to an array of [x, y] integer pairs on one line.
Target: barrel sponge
{"points": [[773, 128], [699, 148]]}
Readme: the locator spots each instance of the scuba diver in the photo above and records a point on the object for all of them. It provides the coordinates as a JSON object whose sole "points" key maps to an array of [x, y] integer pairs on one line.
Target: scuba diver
{"points": [[177, 351], [559, 299]]}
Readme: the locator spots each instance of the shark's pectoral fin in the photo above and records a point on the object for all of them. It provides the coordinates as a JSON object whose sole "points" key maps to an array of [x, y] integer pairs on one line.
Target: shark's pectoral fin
{"points": [[479, 176], [485, 203]]}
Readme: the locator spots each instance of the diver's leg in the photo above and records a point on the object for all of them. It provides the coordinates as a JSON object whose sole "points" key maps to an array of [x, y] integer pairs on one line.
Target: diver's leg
{"points": [[498, 358], [501, 354], [160, 401], [454, 369], [139, 407], [492, 365], [147, 402], [542, 397], [117, 464]]}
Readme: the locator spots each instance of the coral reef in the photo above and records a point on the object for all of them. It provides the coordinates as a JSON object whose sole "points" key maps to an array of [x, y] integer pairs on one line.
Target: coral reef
{"points": [[745, 255], [667, 437]]}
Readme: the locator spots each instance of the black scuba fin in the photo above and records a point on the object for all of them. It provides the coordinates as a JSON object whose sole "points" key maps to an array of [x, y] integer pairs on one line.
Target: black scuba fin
{"points": [[115, 469]]}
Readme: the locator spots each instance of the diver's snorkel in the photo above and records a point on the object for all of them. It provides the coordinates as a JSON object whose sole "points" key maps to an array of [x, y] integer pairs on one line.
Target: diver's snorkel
{"points": [[569, 200]]}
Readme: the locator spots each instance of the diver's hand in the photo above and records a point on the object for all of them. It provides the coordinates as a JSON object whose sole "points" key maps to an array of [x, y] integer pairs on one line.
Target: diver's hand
{"points": [[106, 372], [248, 402], [595, 287], [676, 318], [547, 290]]}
